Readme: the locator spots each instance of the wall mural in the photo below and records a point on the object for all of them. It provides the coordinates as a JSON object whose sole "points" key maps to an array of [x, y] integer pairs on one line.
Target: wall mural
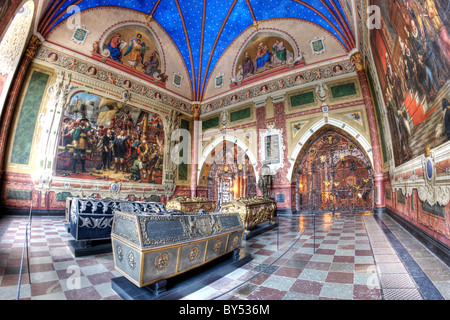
{"points": [[412, 54], [262, 55], [134, 49], [106, 140]]}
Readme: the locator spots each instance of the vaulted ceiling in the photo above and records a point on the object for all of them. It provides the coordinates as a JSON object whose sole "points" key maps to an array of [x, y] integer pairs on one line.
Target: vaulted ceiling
{"points": [[203, 29]]}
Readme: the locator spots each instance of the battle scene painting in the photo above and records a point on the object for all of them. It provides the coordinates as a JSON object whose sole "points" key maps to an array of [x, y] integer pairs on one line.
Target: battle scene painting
{"points": [[104, 139], [411, 49]]}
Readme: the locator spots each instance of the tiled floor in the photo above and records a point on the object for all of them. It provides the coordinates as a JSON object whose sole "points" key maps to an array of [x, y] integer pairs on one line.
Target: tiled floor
{"points": [[346, 256]]}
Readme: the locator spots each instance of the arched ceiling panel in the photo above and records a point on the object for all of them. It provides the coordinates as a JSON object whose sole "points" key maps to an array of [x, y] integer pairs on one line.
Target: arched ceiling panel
{"points": [[203, 30]]}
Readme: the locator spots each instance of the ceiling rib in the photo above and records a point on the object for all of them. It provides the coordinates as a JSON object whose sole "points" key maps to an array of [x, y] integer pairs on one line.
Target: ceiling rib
{"points": [[213, 48], [189, 48], [348, 37], [347, 44], [201, 49]]}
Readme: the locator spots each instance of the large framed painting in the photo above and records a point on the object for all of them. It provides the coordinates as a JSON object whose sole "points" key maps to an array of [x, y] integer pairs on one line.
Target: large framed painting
{"points": [[411, 51], [106, 140]]}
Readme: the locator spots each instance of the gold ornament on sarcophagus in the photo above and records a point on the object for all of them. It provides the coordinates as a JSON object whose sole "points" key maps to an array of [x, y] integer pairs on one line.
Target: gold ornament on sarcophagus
{"points": [[191, 205], [253, 211]]}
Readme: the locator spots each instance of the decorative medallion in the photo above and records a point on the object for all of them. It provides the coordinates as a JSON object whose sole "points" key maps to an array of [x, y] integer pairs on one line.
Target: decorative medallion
{"points": [[317, 45], [119, 253], [131, 260], [297, 127], [355, 116], [193, 254], [217, 246], [204, 226], [429, 169], [219, 80], [114, 187], [80, 34], [235, 241], [177, 78], [162, 261]]}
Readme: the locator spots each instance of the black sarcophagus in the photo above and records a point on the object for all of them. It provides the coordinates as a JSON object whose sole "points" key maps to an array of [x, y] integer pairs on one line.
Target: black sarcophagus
{"points": [[91, 219]]}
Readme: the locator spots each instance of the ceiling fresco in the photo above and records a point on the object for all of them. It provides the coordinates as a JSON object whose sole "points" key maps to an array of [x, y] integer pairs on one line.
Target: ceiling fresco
{"points": [[203, 30]]}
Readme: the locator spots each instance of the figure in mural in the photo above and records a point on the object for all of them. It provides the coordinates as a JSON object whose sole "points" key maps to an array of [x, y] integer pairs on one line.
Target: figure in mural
{"points": [[433, 18], [135, 42], [66, 132], [414, 34], [248, 68], [136, 169], [80, 144], [115, 47], [152, 64], [120, 150], [262, 56], [446, 109], [279, 51], [107, 150], [136, 54]]}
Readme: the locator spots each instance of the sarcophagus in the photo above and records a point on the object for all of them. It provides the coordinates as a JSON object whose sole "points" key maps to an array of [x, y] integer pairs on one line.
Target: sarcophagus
{"points": [[253, 211], [149, 248], [91, 219], [191, 205]]}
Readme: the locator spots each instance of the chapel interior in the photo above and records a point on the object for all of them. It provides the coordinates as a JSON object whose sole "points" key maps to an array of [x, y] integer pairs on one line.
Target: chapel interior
{"points": [[279, 115]]}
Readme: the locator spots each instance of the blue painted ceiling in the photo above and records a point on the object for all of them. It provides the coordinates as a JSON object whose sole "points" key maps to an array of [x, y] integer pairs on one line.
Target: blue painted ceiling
{"points": [[203, 29]]}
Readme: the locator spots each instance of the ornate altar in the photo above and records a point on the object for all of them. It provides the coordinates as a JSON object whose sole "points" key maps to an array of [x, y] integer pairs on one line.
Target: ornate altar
{"points": [[253, 211], [191, 205], [91, 219], [149, 248]]}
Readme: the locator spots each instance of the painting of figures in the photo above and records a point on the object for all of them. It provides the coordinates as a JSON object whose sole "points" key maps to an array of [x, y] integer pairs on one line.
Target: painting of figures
{"points": [[262, 55], [411, 50], [134, 49], [106, 140]]}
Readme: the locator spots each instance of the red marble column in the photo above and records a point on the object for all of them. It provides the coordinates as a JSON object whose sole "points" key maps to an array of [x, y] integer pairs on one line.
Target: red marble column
{"points": [[260, 125], [13, 96], [373, 130], [194, 155], [281, 183]]}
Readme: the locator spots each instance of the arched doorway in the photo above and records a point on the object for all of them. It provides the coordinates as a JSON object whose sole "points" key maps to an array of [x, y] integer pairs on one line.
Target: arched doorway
{"points": [[333, 174], [230, 175]]}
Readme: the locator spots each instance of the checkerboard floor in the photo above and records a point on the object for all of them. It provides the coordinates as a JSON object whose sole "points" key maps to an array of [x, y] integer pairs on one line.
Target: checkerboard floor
{"points": [[346, 256]]}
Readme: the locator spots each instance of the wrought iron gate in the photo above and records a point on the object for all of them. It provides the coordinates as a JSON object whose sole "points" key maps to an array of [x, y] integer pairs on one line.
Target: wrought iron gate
{"points": [[334, 175]]}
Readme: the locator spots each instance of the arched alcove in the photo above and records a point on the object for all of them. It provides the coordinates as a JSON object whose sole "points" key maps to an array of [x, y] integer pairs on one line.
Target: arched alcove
{"points": [[333, 173]]}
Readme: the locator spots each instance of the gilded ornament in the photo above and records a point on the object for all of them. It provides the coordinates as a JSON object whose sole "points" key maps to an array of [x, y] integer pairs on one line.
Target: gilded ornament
{"points": [[235, 241], [217, 246], [193, 254], [119, 253], [162, 261], [131, 260]]}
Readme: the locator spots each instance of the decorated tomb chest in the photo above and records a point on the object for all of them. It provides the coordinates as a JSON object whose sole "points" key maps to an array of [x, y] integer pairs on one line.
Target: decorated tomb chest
{"points": [[149, 248], [191, 205], [91, 219], [253, 211]]}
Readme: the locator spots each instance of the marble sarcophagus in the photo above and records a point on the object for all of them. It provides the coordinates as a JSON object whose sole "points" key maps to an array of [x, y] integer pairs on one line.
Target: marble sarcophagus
{"points": [[191, 205], [253, 211], [91, 219], [150, 248]]}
